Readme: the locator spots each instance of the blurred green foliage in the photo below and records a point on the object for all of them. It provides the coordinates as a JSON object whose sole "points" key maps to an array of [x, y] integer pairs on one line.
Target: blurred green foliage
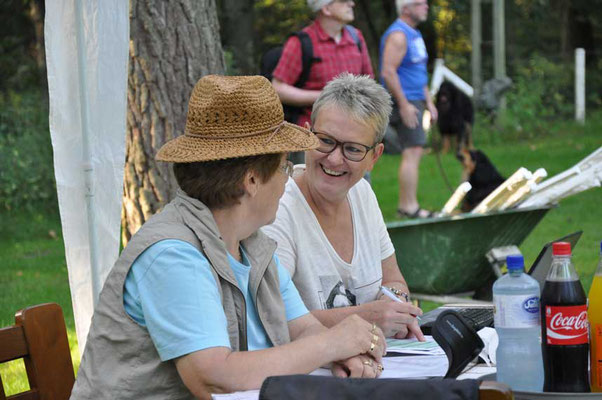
{"points": [[18, 51], [26, 172], [542, 71], [275, 20], [542, 90], [542, 94]]}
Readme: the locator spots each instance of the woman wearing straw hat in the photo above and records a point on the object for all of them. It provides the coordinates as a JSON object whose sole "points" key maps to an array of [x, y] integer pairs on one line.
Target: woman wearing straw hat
{"points": [[198, 287], [330, 232]]}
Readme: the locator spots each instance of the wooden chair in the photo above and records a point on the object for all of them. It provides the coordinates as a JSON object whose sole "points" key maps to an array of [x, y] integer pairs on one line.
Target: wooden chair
{"points": [[491, 390], [39, 337]]}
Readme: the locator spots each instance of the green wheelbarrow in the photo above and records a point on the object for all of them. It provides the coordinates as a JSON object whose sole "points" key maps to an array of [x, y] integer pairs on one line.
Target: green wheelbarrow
{"points": [[447, 255]]}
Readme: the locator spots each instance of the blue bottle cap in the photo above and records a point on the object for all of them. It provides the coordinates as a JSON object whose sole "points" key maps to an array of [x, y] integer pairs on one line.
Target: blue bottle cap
{"points": [[515, 262]]}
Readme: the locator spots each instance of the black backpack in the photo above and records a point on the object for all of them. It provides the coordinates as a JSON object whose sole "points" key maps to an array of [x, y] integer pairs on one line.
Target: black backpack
{"points": [[270, 59]]}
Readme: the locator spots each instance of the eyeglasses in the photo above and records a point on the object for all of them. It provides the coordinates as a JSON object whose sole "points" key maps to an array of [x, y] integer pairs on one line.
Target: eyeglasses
{"points": [[351, 150], [287, 168]]}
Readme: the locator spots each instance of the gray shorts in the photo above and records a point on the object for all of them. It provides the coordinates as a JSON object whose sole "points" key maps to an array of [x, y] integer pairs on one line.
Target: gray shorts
{"points": [[409, 137]]}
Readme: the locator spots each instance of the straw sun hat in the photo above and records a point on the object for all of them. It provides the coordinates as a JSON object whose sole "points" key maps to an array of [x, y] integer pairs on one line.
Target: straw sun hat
{"points": [[234, 116]]}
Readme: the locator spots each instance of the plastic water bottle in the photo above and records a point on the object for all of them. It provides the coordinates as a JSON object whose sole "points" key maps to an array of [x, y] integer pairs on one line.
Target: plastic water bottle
{"points": [[517, 323]]}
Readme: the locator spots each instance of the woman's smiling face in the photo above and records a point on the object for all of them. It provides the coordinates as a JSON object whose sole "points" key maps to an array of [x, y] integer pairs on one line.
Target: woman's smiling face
{"points": [[331, 174]]}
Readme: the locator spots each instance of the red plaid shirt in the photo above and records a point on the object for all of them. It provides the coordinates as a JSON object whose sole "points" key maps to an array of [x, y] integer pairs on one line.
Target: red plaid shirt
{"points": [[335, 58]]}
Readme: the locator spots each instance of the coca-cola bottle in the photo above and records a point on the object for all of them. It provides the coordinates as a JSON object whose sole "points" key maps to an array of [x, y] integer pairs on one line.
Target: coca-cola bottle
{"points": [[564, 335]]}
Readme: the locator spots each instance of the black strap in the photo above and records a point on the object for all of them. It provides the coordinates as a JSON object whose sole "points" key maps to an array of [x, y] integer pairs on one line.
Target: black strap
{"points": [[307, 52], [307, 57]]}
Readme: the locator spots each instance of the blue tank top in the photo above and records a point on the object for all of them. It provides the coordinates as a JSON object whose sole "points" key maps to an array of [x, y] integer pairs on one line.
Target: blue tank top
{"points": [[412, 70]]}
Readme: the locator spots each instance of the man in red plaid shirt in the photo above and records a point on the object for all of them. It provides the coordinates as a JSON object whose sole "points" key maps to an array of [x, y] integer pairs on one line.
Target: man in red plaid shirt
{"points": [[335, 48]]}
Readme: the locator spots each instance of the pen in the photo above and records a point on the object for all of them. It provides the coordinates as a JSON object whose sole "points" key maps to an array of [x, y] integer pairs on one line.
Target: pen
{"points": [[390, 295]]}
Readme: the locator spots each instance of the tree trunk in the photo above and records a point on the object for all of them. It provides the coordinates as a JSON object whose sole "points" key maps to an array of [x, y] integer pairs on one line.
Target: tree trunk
{"points": [[173, 44], [238, 34], [372, 34], [35, 12], [563, 17]]}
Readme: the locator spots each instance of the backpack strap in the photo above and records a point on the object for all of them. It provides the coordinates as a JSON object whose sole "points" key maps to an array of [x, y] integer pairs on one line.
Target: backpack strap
{"points": [[355, 35], [307, 52], [307, 57]]}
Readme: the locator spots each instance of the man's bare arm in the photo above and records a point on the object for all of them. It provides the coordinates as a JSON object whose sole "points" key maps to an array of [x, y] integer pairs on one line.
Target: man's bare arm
{"points": [[393, 53], [294, 96], [395, 49]]}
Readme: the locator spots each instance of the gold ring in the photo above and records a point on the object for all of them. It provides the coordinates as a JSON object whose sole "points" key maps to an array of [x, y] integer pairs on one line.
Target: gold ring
{"points": [[367, 362], [380, 367], [375, 338], [372, 344], [373, 328]]}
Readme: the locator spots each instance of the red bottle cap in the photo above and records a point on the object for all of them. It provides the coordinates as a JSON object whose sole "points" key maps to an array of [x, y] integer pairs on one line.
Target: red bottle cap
{"points": [[561, 249]]}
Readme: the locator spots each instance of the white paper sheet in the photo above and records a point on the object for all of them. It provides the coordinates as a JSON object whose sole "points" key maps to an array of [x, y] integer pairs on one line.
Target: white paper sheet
{"points": [[409, 367], [490, 340], [246, 395], [412, 367], [413, 346]]}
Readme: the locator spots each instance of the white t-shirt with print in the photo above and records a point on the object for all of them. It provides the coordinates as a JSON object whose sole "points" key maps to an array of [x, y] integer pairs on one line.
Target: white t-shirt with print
{"points": [[323, 279]]}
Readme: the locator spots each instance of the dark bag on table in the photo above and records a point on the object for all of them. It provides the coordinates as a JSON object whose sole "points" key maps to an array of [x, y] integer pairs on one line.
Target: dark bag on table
{"points": [[307, 387]]}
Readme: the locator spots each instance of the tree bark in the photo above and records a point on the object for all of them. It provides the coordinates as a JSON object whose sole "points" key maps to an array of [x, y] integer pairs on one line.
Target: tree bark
{"points": [[173, 44], [237, 17], [563, 17], [35, 11]]}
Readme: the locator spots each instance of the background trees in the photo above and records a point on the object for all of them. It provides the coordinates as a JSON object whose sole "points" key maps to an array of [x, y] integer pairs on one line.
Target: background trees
{"points": [[173, 44]]}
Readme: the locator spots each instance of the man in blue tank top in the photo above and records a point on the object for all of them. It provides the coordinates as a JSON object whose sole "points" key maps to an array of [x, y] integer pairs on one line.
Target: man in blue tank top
{"points": [[403, 60]]}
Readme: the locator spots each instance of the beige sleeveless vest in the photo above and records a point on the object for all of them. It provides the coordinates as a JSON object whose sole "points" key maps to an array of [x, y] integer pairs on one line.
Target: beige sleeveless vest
{"points": [[120, 360]]}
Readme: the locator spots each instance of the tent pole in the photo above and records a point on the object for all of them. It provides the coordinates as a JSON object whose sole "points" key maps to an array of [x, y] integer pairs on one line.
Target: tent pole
{"points": [[87, 164]]}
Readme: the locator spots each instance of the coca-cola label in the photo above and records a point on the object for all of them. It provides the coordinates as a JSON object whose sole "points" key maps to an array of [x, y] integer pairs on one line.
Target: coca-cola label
{"points": [[566, 325]]}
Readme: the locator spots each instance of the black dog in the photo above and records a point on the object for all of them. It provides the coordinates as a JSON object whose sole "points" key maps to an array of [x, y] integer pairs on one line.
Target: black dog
{"points": [[456, 116], [482, 176]]}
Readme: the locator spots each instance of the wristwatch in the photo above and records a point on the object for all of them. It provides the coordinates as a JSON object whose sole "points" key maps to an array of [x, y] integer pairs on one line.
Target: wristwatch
{"points": [[399, 293]]}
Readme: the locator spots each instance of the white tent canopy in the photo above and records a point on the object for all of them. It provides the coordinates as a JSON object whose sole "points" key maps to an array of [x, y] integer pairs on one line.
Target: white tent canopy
{"points": [[87, 56]]}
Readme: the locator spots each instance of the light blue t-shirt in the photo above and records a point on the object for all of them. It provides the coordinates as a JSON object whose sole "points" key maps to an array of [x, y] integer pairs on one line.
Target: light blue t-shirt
{"points": [[170, 290]]}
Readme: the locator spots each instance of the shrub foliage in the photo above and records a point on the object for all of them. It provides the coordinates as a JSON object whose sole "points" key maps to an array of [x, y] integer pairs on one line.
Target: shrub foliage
{"points": [[26, 168]]}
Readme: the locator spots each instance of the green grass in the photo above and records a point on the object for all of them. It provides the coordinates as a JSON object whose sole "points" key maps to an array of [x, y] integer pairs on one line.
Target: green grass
{"points": [[33, 269], [563, 147]]}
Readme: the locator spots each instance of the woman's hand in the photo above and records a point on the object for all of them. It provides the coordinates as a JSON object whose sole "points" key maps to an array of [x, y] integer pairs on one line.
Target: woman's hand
{"points": [[362, 366], [353, 336], [413, 331], [394, 318]]}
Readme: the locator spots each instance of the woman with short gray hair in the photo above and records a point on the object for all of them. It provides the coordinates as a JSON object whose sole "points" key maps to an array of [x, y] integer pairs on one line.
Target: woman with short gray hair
{"points": [[330, 232], [360, 98]]}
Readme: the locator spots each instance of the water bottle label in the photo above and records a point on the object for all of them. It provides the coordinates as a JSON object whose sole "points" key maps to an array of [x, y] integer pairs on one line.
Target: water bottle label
{"points": [[516, 311]]}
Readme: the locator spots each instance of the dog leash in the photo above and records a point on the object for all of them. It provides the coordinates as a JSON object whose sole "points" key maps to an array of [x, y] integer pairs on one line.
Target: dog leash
{"points": [[443, 174]]}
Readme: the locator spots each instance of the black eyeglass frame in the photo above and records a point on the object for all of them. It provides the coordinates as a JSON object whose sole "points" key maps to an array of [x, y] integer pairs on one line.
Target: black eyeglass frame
{"points": [[342, 144]]}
